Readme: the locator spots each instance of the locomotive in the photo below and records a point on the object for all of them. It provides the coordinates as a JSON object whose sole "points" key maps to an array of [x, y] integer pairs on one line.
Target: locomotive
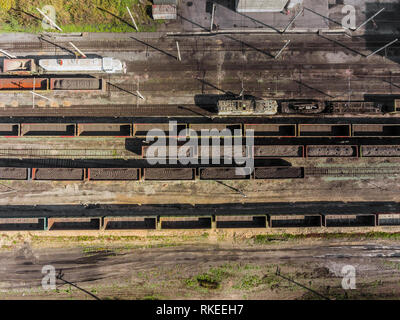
{"points": [[30, 67]]}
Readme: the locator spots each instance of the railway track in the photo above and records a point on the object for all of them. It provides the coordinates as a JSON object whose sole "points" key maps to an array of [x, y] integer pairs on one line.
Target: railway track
{"points": [[230, 43], [281, 84], [297, 79], [54, 154], [152, 112], [203, 173], [111, 110], [351, 172], [269, 65], [290, 88]]}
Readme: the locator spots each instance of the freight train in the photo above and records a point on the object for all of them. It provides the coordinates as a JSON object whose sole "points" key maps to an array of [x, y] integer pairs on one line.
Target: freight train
{"points": [[253, 107], [149, 174], [271, 140], [257, 130], [176, 174], [43, 66], [52, 83], [241, 219], [98, 219]]}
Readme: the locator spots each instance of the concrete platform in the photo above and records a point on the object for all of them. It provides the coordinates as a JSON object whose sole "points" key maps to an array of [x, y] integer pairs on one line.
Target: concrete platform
{"points": [[196, 15]]}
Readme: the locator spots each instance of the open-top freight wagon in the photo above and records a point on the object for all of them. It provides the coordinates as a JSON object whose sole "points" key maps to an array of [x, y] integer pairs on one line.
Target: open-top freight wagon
{"points": [[305, 107], [247, 107], [21, 84], [19, 66], [91, 84], [56, 84]]}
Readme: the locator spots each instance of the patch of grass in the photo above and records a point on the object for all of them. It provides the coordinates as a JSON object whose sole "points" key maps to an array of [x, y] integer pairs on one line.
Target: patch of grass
{"points": [[376, 283], [68, 290], [272, 281], [151, 297], [119, 243], [76, 15], [91, 251], [205, 235], [191, 282], [248, 282], [268, 238], [208, 281], [245, 277], [40, 238], [393, 264], [214, 277]]}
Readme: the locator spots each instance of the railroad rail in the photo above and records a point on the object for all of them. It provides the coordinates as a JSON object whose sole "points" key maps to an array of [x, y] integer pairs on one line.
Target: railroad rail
{"points": [[189, 174], [261, 152], [141, 130], [188, 44], [351, 172], [147, 174]]}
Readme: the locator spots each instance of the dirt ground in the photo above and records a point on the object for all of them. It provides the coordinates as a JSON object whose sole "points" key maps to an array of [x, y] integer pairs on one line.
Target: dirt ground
{"points": [[200, 265]]}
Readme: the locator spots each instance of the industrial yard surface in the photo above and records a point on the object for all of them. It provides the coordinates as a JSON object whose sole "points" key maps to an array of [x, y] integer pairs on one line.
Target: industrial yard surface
{"points": [[201, 265], [199, 150]]}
